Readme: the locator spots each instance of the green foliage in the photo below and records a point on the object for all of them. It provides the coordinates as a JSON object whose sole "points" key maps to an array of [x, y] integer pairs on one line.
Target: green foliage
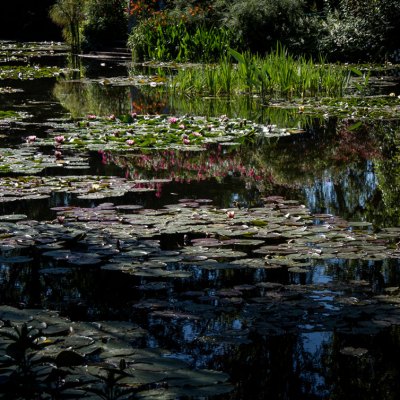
{"points": [[348, 30], [162, 38], [360, 30], [277, 75], [8, 114], [24, 72], [69, 14], [388, 174], [263, 23], [106, 21]]}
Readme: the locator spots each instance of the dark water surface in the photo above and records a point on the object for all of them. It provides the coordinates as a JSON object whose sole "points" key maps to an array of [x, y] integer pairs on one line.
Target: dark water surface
{"points": [[335, 337]]}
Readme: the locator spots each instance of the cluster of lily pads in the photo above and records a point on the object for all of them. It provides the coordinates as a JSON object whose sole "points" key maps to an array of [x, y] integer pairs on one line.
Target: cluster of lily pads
{"points": [[8, 115], [281, 235], [83, 187], [43, 354], [27, 160], [18, 49], [198, 254], [9, 89], [360, 108], [25, 72], [130, 132]]}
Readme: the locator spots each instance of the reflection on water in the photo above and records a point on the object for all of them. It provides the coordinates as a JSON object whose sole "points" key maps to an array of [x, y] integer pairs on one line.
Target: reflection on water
{"points": [[344, 189], [326, 332], [351, 191]]}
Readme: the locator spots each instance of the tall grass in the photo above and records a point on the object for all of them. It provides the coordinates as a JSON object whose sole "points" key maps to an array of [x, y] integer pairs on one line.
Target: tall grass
{"points": [[278, 75]]}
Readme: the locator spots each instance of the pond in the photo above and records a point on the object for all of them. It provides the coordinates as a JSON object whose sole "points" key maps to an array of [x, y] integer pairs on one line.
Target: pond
{"points": [[172, 247]]}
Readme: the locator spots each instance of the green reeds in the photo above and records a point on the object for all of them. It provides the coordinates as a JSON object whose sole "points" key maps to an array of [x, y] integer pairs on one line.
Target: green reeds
{"points": [[278, 75]]}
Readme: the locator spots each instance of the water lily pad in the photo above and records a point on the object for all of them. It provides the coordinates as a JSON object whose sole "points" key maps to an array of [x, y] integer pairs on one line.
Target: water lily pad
{"points": [[13, 217], [167, 314], [298, 270], [84, 259], [55, 271], [354, 351], [58, 254], [68, 358], [15, 260]]}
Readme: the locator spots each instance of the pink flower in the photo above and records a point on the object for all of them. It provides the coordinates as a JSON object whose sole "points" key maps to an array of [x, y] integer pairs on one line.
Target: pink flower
{"points": [[186, 141], [111, 117], [230, 214], [58, 154], [133, 115], [130, 142], [173, 120], [181, 126], [59, 139], [198, 134], [91, 116], [30, 139]]}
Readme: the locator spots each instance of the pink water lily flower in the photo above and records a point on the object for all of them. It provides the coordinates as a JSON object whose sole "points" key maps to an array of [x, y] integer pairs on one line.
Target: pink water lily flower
{"points": [[130, 142], [111, 117], [91, 116], [31, 139], [198, 134], [58, 154], [59, 139], [186, 141], [173, 120]]}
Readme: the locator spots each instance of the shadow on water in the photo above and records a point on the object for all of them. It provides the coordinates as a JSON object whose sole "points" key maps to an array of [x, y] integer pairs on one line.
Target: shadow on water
{"points": [[324, 328]]}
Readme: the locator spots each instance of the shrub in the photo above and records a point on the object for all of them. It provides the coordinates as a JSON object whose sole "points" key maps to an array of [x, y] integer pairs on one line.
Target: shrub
{"points": [[263, 23], [165, 37], [106, 21], [361, 30]]}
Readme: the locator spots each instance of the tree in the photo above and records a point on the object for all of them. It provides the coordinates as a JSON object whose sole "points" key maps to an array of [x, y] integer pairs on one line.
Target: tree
{"points": [[106, 22], [69, 14]]}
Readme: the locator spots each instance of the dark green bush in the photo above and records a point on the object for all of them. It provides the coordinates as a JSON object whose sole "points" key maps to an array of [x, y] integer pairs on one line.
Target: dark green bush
{"points": [[185, 37], [360, 30], [263, 23], [106, 22], [340, 30]]}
